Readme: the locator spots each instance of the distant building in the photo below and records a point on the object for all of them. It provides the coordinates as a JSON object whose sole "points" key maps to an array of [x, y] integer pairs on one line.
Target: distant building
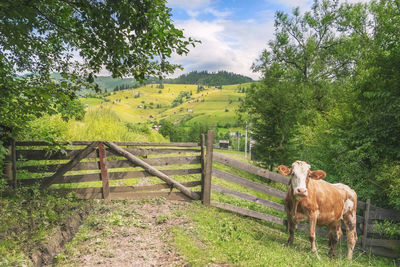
{"points": [[140, 106], [156, 127], [190, 110], [223, 144], [86, 105]]}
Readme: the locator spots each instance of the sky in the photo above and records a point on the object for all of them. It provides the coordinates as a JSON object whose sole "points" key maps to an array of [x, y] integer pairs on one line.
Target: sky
{"points": [[233, 32]]}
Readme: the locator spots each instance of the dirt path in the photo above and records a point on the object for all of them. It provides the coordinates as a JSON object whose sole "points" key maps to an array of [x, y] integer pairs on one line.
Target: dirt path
{"points": [[122, 233]]}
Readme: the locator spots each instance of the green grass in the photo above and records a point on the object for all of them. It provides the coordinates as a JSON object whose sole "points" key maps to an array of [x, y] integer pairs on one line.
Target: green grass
{"points": [[220, 237], [91, 101], [27, 218], [105, 124]]}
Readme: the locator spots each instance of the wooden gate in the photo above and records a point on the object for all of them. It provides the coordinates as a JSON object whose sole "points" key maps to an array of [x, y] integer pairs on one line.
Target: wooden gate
{"points": [[112, 170]]}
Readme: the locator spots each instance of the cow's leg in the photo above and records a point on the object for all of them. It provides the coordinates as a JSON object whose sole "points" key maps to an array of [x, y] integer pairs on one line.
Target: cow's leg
{"points": [[291, 229], [311, 233], [350, 224], [334, 236]]}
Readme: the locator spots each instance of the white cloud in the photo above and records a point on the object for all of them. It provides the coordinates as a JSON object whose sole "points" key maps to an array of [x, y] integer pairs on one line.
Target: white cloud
{"points": [[226, 45]]}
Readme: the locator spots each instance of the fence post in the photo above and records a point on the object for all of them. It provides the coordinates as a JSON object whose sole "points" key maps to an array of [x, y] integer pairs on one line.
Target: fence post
{"points": [[366, 218], [206, 194], [202, 162], [8, 175], [10, 164], [104, 173], [14, 162]]}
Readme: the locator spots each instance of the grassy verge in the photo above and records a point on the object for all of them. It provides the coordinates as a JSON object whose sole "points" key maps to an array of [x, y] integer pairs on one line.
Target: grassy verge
{"points": [[222, 237], [27, 218]]}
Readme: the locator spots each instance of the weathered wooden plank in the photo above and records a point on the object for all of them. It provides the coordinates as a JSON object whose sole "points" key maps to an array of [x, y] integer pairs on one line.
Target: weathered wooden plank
{"points": [[383, 242], [135, 195], [51, 155], [111, 175], [68, 166], [43, 143], [249, 213], [377, 213], [77, 143], [360, 204], [206, 197], [141, 195], [252, 169], [123, 189], [115, 164], [152, 151], [153, 170], [248, 197], [365, 228], [104, 172], [385, 252], [247, 183]]}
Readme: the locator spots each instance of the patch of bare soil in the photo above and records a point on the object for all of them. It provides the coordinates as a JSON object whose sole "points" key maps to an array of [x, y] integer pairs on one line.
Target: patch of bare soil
{"points": [[131, 233]]}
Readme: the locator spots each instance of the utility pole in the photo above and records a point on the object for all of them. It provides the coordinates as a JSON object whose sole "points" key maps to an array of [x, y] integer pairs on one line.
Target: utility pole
{"points": [[245, 144], [238, 135]]}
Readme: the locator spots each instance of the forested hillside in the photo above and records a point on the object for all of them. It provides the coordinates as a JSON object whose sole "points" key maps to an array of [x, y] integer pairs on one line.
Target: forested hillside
{"points": [[210, 78]]}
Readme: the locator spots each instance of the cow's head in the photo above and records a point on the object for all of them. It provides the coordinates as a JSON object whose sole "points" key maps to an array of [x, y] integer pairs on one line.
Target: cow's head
{"points": [[300, 172]]}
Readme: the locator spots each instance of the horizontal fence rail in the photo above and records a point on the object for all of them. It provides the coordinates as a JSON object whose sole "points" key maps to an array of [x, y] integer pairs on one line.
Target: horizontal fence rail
{"points": [[68, 154], [80, 143]]}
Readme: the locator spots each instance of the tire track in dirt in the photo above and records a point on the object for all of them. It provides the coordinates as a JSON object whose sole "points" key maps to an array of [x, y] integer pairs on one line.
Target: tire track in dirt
{"points": [[128, 233]]}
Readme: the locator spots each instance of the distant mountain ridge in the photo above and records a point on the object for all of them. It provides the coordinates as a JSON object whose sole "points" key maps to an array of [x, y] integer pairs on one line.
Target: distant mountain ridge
{"points": [[108, 83], [210, 78]]}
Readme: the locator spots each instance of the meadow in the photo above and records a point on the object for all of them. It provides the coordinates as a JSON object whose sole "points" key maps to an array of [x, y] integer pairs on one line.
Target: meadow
{"points": [[149, 103]]}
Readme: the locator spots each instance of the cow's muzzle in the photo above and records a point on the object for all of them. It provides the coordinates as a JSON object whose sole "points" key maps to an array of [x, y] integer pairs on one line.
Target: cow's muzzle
{"points": [[301, 192]]}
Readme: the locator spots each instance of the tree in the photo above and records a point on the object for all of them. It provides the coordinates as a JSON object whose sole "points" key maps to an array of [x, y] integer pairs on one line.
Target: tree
{"points": [[127, 37], [305, 57]]}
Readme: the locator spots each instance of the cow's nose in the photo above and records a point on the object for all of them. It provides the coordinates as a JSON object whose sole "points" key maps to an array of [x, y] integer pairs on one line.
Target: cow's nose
{"points": [[301, 191]]}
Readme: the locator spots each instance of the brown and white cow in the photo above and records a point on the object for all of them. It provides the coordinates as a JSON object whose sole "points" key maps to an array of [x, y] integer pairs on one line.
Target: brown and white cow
{"points": [[309, 198]]}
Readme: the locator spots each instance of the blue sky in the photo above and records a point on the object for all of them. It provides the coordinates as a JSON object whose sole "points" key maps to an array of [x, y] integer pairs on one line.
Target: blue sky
{"points": [[233, 32]]}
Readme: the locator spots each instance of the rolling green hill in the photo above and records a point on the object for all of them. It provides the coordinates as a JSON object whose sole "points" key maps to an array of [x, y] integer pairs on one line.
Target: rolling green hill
{"points": [[149, 103]]}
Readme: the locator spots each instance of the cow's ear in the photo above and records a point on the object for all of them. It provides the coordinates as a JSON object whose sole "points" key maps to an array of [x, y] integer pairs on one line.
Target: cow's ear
{"points": [[285, 171], [317, 175]]}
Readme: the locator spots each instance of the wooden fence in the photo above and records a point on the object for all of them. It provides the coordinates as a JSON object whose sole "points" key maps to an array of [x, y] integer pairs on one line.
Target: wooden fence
{"points": [[114, 164], [109, 162]]}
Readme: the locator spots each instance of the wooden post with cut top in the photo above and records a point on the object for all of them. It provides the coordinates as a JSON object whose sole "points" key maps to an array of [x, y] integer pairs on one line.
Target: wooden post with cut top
{"points": [[206, 194], [365, 228], [14, 163], [7, 172], [104, 173], [202, 162]]}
